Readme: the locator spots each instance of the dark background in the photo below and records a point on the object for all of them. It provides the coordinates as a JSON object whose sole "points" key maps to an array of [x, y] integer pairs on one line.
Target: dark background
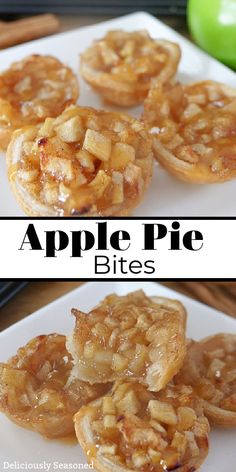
{"points": [[112, 7]]}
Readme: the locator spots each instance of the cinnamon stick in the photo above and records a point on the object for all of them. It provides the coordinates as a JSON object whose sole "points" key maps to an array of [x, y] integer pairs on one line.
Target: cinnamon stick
{"points": [[215, 294], [20, 31]]}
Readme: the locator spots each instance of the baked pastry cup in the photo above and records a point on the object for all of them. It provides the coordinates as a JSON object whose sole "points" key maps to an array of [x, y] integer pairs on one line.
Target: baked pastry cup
{"points": [[134, 429], [210, 367], [35, 391], [31, 90], [132, 337], [84, 162], [194, 130], [122, 65]]}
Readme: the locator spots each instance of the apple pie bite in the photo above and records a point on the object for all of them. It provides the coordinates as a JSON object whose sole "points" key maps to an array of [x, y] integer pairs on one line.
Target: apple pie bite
{"points": [[84, 162], [122, 65], [35, 389], [134, 429], [194, 130], [33, 89], [210, 367], [132, 337]]}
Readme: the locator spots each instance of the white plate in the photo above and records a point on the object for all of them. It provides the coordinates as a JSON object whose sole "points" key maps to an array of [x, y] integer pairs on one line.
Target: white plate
{"points": [[166, 195], [25, 446]]}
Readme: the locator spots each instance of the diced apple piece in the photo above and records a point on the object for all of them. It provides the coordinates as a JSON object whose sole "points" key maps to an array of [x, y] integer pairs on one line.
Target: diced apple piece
{"points": [[128, 48], [92, 122], [118, 126], [86, 160], [13, 377], [108, 449], [170, 460], [47, 128], [163, 412], [98, 144], [89, 350], [179, 442], [59, 168], [186, 417], [118, 188], [50, 192], [71, 131], [194, 449], [64, 192], [102, 356], [80, 179], [158, 427], [122, 154], [113, 337], [109, 421], [100, 183], [100, 330], [109, 57], [143, 322], [137, 126], [139, 458], [51, 400], [124, 72], [120, 392], [27, 147], [140, 358], [28, 175], [119, 362], [108, 406], [129, 404], [132, 173], [23, 85], [155, 456]]}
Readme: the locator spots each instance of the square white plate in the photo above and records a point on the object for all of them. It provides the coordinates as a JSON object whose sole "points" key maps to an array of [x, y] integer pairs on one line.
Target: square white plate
{"points": [[166, 195], [25, 446]]}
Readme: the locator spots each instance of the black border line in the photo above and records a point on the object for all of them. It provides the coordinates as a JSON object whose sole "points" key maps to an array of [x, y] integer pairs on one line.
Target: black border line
{"points": [[114, 218], [114, 279]]}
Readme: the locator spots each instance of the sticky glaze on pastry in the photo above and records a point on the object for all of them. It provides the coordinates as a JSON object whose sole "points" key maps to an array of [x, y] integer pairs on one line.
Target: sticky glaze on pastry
{"points": [[131, 337], [133, 429], [36, 390], [122, 65], [194, 130], [33, 89], [210, 367], [84, 162]]}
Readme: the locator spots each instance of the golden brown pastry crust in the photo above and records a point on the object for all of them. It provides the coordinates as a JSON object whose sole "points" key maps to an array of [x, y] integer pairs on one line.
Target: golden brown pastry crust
{"points": [[122, 65], [132, 337], [134, 429], [33, 89], [210, 367], [35, 390], [84, 162], [194, 130]]}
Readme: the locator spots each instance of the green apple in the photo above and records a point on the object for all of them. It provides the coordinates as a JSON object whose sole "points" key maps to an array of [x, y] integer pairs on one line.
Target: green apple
{"points": [[212, 24]]}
